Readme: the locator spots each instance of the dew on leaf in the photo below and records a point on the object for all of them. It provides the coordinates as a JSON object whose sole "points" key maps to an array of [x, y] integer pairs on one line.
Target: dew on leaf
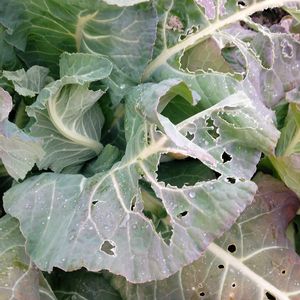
{"points": [[192, 194]]}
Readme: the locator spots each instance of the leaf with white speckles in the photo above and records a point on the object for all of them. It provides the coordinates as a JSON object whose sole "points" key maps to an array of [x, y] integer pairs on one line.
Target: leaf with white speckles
{"points": [[104, 213], [254, 260]]}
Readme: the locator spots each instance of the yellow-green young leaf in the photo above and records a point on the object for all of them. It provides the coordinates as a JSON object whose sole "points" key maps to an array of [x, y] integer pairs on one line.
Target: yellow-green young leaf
{"points": [[19, 277], [253, 260], [105, 213]]}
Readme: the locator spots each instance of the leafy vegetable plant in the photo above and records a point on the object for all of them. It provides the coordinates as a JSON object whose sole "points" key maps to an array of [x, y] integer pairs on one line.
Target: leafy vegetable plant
{"points": [[133, 140]]}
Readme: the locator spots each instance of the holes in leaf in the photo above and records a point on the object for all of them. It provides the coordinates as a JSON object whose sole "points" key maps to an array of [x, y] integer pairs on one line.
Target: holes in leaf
{"points": [[155, 211], [221, 266], [217, 174], [231, 180], [231, 248], [202, 294], [287, 49], [241, 4], [184, 172], [132, 206], [189, 136], [94, 202], [212, 129], [269, 17], [283, 272], [182, 214], [177, 110], [270, 296], [233, 285], [108, 248], [226, 157]]}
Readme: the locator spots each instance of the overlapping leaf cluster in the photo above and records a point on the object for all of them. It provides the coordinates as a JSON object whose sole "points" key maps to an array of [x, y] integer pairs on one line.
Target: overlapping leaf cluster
{"points": [[130, 132]]}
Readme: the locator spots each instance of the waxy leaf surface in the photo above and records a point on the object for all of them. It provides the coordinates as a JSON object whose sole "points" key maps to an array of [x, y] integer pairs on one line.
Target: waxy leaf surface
{"points": [[66, 214]]}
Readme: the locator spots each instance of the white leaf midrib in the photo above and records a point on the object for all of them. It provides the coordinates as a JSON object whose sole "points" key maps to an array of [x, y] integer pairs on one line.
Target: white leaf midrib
{"points": [[246, 271], [71, 135], [199, 36]]}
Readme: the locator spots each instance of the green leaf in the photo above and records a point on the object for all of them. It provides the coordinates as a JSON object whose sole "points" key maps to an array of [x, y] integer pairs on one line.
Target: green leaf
{"points": [[205, 56], [287, 159], [8, 58], [13, 33], [104, 213], [254, 259], [19, 277], [81, 285], [184, 172], [124, 35], [68, 120], [18, 151], [28, 83], [268, 60], [107, 158], [185, 24]]}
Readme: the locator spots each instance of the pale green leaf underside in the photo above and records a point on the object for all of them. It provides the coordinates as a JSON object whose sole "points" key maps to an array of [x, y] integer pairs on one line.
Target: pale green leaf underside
{"points": [[68, 214], [19, 278], [18, 151], [262, 262], [28, 83], [5, 104]]}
